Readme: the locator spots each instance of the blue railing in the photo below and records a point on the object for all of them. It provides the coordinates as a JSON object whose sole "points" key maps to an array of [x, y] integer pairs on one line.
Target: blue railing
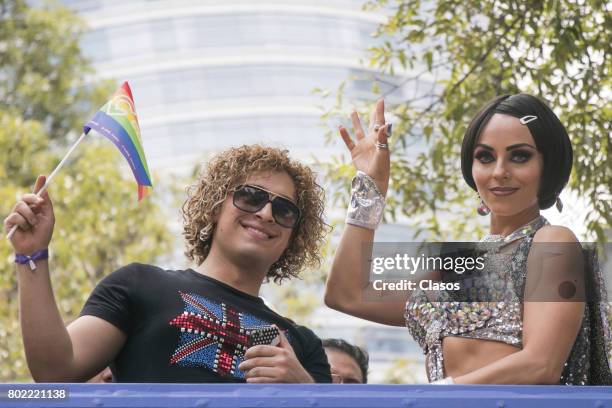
{"points": [[294, 395]]}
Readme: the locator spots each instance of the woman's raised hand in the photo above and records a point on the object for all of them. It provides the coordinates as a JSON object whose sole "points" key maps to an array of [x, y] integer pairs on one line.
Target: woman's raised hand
{"points": [[34, 218], [370, 153]]}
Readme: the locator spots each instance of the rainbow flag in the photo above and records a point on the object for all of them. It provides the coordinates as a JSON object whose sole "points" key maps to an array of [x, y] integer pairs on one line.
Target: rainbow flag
{"points": [[118, 122]]}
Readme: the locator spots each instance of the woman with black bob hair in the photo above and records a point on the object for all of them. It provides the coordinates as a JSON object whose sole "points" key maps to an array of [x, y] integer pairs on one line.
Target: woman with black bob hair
{"points": [[548, 132], [541, 328]]}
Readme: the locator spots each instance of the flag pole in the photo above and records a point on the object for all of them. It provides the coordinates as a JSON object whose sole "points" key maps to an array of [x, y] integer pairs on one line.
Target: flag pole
{"points": [[48, 180]]}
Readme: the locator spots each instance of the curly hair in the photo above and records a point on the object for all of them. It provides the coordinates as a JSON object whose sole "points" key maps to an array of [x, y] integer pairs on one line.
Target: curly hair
{"points": [[231, 168]]}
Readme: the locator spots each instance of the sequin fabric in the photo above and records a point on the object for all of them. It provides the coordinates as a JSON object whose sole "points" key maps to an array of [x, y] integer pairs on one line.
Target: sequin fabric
{"points": [[367, 203], [215, 336], [432, 315]]}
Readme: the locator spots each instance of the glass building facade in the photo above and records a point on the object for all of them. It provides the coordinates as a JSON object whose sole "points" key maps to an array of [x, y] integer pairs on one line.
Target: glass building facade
{"points": [[208, 75]]}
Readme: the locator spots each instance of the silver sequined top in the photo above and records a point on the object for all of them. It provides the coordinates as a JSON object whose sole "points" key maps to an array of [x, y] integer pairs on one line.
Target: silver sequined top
{"points": [[432, 315]]}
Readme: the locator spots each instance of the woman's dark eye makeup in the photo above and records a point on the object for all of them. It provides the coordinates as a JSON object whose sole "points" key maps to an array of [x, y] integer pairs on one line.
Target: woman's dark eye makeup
{"points": [[516, 156], [520, 156], [484, 156]]}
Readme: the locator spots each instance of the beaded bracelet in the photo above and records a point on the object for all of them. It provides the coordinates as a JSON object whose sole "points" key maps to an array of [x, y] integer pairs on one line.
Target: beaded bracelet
{"points": [[367, 203]]}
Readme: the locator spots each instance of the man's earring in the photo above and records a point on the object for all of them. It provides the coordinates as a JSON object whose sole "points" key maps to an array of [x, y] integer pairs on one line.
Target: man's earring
{"points": [[203, 235]]}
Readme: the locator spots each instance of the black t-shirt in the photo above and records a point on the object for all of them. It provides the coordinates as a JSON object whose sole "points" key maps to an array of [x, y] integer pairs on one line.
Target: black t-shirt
{"points": [[182, 326]]}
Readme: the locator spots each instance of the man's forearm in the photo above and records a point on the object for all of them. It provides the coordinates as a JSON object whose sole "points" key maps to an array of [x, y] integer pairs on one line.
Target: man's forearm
{"points": [[45, 339]]}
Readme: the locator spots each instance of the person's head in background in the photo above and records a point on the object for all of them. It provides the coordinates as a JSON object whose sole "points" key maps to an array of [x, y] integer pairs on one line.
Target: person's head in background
{"points": [[349, 364], [104, 376]]}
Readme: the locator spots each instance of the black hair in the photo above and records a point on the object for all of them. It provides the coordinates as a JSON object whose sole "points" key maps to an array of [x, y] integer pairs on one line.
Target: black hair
{"points": [[356, 353], [548, 132]]}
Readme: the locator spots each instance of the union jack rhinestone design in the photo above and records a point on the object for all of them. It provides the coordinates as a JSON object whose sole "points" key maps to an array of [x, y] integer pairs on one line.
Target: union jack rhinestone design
{"points": [[214, 335]]}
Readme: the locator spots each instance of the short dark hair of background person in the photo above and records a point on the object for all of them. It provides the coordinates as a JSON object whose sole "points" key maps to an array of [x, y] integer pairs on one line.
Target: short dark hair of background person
{"points": [[356, 353]]}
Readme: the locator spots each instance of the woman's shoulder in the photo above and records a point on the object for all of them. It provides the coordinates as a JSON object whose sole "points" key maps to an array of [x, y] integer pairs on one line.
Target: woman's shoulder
{"points": [[554, 233]]}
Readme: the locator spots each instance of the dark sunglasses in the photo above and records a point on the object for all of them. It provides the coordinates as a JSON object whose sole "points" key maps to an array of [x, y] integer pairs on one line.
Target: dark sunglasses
{"points": [[252, 199]]}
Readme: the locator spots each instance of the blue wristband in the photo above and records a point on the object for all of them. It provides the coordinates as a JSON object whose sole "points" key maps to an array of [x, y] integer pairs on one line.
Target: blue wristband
{"points": [[29, 259]]}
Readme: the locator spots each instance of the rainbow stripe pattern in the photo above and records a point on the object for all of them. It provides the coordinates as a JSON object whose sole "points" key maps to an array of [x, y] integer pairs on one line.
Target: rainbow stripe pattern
{"points": [[117, 121]]}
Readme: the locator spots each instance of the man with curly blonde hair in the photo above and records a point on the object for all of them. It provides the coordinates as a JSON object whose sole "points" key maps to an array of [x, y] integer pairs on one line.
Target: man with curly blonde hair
{"points": [[254, 214]]}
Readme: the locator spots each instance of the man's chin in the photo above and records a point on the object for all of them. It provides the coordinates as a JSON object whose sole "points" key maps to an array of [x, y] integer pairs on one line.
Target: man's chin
{"points": [[251, 254]]}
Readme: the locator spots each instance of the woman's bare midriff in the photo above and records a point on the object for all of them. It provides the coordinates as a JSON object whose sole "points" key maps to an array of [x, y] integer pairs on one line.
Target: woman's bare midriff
{"points": [[463, 355]]}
